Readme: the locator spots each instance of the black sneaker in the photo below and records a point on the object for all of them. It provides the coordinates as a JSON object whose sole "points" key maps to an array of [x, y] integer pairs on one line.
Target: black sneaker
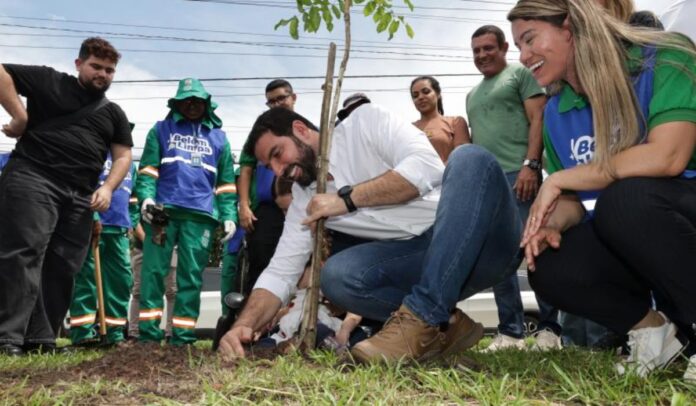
{"points": [[47, 348], [11, 350]]}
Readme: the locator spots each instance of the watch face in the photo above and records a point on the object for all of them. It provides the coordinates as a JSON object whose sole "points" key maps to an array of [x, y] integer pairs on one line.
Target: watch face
{"points": [[532, 164]]}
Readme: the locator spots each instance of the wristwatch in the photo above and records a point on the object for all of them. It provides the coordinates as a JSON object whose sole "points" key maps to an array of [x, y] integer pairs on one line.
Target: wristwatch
{"points": [[344, 193], [534, 164]]}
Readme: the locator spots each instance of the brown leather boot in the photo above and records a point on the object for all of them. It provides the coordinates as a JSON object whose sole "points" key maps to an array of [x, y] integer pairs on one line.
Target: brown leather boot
{"points": [[406, 336], [461, 334]]}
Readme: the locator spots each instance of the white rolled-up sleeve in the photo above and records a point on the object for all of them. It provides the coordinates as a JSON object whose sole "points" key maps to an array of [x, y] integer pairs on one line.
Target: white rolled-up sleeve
{"points": [[292, 253]]}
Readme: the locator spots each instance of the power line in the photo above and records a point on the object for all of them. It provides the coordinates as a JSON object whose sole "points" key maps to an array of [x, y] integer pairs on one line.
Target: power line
{"points": [[128, 36], [394, 7], [507, 3], [410, 15], [188, 52], [399, 75], [379, 44], [218, 96], [191, 29], [200, 40]]}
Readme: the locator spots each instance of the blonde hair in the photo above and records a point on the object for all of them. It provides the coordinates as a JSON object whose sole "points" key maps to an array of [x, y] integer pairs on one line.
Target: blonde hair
{"points": [[620, 9], [600, 56]]}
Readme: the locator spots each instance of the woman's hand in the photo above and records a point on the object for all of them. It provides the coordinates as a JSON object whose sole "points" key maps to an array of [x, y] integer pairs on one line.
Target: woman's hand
{"points": [[536, 244], [542, 208]]}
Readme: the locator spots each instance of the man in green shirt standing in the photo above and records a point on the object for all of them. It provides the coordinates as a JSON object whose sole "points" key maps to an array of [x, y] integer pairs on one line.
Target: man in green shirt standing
{"points": [[505, 114], [186, 166]]}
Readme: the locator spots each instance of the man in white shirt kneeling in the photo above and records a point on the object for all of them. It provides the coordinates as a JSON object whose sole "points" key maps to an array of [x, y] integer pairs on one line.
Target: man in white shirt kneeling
{"points": [[410, 238]]}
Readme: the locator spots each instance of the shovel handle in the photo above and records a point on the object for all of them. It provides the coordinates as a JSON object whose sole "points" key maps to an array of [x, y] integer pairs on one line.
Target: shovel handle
{"points": [[100, 290]]}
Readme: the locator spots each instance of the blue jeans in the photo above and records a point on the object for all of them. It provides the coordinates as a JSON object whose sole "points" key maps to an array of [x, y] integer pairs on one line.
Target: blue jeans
{"points": [[507, 293], [473, 244]]}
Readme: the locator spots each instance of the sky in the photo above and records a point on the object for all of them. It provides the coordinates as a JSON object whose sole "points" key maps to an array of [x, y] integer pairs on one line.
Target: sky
{"points": [[235, 40]]}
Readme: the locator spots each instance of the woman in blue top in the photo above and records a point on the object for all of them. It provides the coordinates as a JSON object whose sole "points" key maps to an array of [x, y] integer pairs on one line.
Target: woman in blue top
{"points": [[619, 208]]}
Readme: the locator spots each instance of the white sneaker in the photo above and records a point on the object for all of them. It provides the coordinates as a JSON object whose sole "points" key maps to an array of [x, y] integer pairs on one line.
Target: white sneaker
{"points": [[502, 341], [651, 348], [546, 340], [690, 373]]}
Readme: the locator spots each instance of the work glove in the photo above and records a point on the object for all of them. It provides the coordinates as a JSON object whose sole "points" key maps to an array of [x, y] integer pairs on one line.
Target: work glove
{"points": [[144, 215], [229, 228]]}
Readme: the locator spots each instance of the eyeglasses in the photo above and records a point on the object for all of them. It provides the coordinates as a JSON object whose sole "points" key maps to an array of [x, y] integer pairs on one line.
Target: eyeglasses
{"points": [[277, 100]]}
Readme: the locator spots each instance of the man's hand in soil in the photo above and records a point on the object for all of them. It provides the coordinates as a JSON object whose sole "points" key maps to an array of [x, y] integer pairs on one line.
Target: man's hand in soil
{"points": [[101, 199], [259, 310], [231, 344]]}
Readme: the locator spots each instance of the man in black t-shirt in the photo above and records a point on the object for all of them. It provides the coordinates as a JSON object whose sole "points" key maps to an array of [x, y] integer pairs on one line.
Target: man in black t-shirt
{"points": [[49, 188]]}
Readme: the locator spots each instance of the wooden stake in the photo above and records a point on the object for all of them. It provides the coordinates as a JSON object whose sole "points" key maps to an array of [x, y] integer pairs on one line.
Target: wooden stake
{"points": [[308, 331]]}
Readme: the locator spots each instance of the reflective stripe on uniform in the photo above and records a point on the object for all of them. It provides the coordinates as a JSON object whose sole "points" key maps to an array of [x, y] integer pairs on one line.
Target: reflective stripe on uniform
{"points": [[183, 322], [115, 322], [226, 188], [172, 159], [82, 320], [150, 170], [150, 314]]}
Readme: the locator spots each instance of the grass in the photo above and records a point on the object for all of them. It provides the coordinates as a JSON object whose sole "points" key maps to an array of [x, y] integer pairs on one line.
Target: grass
{"points": [[570, 376]]}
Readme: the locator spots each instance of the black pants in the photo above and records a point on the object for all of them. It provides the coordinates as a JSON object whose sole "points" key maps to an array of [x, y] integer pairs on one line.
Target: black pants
{"points": [[45, 226], [263, 240], [642, 240]]}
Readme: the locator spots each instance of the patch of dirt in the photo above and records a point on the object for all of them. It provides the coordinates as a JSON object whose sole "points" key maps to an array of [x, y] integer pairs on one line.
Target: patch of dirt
{"points": [[166, 371], [149, 369], [145, 362]]}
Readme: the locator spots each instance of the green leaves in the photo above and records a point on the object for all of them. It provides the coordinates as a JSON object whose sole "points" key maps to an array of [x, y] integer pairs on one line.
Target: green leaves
{"points": [[316, 12], [292, 23], [293, 28], [409, 30], [384, 22], [369, 8]]}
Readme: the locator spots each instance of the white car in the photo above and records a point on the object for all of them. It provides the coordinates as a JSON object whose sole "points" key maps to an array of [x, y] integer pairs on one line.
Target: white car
{"points": [[481, 307]]}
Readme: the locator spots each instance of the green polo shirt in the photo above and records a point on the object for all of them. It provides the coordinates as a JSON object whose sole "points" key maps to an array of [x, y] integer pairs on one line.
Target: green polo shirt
{"points": [[674, 96], [498, 120]]}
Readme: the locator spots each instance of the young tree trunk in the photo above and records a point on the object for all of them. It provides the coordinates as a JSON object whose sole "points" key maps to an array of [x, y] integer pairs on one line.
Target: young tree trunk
{"points": [[308, 331]]}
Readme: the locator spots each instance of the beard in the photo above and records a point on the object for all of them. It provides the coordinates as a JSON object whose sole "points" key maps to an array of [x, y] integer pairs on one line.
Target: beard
{"points": [[307, 164], [91, 87]]}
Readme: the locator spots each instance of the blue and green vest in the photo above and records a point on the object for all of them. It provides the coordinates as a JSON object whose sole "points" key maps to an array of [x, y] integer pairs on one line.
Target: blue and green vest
{"points": [[117, 215], [571, 133], [190, 153]]}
